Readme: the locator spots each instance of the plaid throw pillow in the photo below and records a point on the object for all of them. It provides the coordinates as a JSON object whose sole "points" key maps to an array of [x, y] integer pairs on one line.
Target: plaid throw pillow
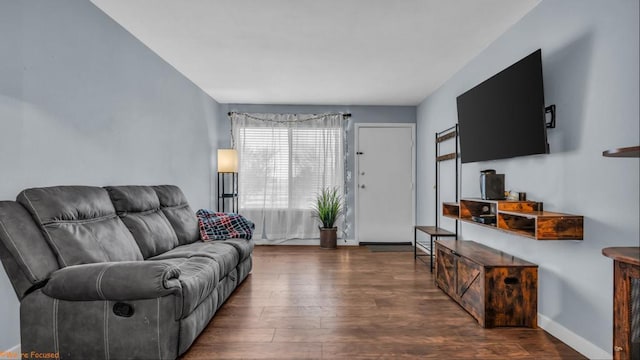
{"points": [[220, 226]]}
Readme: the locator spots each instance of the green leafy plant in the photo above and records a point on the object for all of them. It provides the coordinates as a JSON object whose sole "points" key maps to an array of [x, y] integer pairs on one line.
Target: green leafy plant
{"points": [[328, 207]]}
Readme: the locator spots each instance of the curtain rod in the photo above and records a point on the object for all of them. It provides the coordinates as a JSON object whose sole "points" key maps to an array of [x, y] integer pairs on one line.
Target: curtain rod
{"points": [[344, 116]]}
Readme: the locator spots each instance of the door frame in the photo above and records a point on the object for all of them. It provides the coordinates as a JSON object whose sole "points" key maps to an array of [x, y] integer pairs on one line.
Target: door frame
{"points": [[356, 161]]}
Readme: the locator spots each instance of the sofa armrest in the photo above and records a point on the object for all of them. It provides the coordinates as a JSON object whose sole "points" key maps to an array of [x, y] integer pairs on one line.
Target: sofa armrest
{"points": [[126, 280]]}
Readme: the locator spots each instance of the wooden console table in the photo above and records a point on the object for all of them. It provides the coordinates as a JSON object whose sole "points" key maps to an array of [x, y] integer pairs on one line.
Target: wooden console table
{"points": [[496, 288], [626, 292]]}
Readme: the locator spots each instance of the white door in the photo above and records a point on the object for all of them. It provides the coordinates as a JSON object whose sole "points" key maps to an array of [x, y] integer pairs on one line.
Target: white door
{"points": [[384, 187]]}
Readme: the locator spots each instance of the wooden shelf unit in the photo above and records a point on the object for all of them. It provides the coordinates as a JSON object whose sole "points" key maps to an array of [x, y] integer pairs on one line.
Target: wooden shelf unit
{"points": [[626, 292], [524, 218], [451, 210]]}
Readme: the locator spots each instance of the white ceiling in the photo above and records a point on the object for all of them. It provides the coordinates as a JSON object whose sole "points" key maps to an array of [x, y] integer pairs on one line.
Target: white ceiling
{"points": [[317, 52]]}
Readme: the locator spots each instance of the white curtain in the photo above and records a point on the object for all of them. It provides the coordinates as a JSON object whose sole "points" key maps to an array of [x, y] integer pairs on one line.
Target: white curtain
{"points": [[285, 160]]}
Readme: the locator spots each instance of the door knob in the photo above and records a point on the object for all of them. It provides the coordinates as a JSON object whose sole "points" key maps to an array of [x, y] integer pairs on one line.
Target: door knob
{"points": [[362, 186]]}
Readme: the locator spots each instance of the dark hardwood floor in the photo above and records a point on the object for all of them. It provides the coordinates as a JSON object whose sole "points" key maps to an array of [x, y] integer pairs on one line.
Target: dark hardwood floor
{"points": [[301, 302]]}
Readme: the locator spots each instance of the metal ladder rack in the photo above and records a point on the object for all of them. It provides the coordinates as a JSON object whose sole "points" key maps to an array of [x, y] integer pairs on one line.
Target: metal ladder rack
{"points": [[435, 232]]}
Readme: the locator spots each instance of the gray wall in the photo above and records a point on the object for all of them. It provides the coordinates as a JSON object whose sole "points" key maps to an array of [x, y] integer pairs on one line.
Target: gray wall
{"points": [[83, 102], [359, 114], [590, 64]]}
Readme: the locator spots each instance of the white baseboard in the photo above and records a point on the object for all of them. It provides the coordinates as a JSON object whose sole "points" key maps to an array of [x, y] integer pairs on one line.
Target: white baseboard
{"points": [[572, 339], [12, 353], [306, 242]]}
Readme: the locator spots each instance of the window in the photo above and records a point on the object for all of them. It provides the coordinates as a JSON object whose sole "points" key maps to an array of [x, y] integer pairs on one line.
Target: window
{"points": [[285, 168], [265, 168], [283, 165]]}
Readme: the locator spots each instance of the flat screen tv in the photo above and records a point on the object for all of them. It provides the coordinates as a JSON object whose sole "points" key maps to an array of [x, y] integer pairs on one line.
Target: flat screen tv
{"points": [[504, 116]]}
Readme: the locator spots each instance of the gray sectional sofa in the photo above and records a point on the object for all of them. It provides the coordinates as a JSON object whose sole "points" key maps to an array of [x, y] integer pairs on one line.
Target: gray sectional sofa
{"points": [[114, 273]]}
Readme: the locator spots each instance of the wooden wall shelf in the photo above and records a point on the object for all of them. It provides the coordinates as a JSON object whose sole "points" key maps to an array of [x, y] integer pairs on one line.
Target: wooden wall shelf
{"points": [[524, 218], [631, 152], [451, 210]]}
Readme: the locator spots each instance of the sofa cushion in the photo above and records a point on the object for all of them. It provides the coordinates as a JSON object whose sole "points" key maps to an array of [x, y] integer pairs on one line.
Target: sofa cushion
{"points": [[28, 256], [244, 247], [199, 276], [224, 254], [80, 224], [139, 209], [175, 207]]}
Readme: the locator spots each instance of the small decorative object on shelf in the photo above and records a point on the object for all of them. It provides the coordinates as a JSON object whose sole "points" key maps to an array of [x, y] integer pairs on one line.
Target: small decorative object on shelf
{"points": [[630, 152], [227, 166], [491, 185], [514, 195]]}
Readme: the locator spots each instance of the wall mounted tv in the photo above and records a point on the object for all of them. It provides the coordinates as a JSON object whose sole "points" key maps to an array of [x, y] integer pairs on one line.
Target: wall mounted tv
{"points": [[504, 116]]}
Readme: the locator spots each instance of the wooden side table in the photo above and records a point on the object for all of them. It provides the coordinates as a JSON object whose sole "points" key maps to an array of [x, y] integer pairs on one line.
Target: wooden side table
{"points": [[433, 232], [626, 301]]}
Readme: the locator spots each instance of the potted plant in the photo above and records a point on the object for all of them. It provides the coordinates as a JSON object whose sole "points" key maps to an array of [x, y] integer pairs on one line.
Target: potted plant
{"points": [[328, 208]]}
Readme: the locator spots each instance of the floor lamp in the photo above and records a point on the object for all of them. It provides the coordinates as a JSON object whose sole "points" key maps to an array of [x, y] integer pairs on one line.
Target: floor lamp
{"points": [[227, 179]]}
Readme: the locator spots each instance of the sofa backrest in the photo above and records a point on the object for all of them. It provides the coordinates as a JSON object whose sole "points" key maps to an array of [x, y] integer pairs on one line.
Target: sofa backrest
{"points": [[175, 207], [50, 228], [26, 255], [139, 209], [80, 224]]}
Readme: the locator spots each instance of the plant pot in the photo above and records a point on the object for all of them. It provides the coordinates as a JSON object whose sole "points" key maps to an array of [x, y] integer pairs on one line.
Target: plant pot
{"points": [[328, 238]]}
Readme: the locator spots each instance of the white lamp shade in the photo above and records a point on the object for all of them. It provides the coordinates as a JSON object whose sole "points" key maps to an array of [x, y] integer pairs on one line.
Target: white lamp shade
{"points": [[227, 160]]}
